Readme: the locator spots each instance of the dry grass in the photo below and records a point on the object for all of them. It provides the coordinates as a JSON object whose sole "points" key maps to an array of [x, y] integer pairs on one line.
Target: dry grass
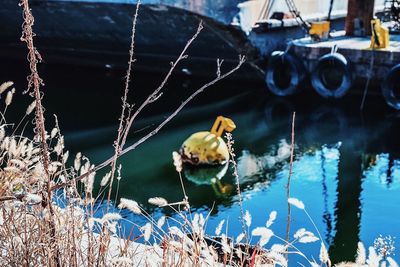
{"points": [[47, 219]]}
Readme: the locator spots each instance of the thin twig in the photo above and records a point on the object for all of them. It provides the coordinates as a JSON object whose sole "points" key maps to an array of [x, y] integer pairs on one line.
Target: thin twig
{"points": [[155, 95], [121, 126], [288, 181]]}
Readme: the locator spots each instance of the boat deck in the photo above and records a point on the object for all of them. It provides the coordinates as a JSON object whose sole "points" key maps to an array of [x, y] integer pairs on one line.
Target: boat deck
{"points": [[346, 42]]}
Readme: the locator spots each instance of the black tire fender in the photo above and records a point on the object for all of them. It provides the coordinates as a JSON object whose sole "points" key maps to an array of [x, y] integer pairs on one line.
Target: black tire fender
{"points": [[284, 74], [332, 76], [389, 85]]}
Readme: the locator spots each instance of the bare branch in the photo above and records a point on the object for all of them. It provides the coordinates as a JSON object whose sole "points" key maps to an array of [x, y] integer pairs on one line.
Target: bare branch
{"points": [[122, 124], [161, 86], [155, 98], [158, 128]]}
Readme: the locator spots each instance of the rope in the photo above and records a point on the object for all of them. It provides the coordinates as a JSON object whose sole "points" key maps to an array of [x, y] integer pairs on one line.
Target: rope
{"points": [[269, 8], [371, 66], [334, 49], [262, 12], [293, 9], [266, 9], [330, 10]]}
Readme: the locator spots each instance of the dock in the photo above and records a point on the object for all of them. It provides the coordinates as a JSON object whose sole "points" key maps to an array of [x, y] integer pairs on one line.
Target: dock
{"points": [[355, 49]]}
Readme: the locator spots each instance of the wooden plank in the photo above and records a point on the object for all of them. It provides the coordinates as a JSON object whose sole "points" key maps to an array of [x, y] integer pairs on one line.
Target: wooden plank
{"points": [[361, 11]]}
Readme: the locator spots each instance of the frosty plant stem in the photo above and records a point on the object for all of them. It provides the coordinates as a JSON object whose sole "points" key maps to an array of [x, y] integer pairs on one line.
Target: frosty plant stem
{"points": [[34, 83], [125, 104], [231, 150]]}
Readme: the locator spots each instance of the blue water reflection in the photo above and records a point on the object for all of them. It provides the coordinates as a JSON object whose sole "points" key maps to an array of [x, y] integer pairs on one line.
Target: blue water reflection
{"points": [[381, 189], [314, 175]]}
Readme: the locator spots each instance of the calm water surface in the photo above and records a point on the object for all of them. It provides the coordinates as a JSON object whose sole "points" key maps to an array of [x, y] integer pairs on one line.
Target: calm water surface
{"points": [[346, 170], [346, 167]]}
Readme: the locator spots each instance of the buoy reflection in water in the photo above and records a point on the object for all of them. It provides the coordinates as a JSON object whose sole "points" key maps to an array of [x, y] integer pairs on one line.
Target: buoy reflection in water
{"points": [[209, 175]]}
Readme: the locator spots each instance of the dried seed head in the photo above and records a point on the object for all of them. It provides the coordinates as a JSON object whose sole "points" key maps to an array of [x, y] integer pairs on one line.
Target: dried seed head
{"points": [[240, 237], [105, 179], [77, 162], [85, 168], [65, 156], [90, 179], [130, 205], [5, 143], [5, 86], [59, 146], [247, 218], [219, 227], [112, 216], [119, 172], [9, 97], [297, 203], [177, 161], [30, 108], [264, 233], [29, 150], [272, 217], [2, 133], [12, 150], [53, 132], [158, 201], [161, 222]]}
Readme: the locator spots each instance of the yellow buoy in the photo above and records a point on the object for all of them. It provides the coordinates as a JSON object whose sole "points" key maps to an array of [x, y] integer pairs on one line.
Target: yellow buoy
{"points": [[208, 147]]}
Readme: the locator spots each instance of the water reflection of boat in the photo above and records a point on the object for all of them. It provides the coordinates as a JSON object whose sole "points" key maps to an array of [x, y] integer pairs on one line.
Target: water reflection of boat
{"points": [[251, 166]]}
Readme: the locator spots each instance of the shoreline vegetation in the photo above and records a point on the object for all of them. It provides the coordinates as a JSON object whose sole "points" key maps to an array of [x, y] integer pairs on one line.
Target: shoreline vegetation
{"points": [[47, 208]]}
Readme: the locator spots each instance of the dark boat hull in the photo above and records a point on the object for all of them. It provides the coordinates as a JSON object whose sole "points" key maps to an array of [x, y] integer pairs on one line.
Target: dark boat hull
{"points": [[99, 34]]}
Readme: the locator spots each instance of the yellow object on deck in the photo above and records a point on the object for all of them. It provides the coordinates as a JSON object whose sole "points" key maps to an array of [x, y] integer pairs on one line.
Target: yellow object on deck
{"points": [[208, 148], [320, 30], [380, 35]]}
